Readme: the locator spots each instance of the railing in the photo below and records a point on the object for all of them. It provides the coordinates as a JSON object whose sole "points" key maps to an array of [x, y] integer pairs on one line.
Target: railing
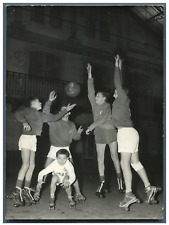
{"points": [[19, 84]]}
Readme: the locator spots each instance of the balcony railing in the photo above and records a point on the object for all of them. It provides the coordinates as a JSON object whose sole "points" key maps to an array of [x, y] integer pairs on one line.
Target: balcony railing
{"points": [[23, 85]]}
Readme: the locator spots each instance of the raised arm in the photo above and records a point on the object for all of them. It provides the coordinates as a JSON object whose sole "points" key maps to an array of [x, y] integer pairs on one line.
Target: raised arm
{"points": [[47, 106], [90, 82], [58, 116], [118, 81], [118, 73]]}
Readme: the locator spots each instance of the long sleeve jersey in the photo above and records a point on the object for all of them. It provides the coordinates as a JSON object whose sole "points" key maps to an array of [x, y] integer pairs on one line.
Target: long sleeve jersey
{"points": [[62, 132], [121, 111], [56, 168], [36, 119], [101, 113]]}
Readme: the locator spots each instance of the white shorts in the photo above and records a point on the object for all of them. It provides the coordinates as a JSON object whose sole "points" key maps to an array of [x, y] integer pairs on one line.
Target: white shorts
{"points": [[53, 150], [28, 142], [128, 140]]}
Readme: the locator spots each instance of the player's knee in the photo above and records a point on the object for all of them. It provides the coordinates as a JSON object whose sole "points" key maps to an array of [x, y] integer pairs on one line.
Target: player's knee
{"points": [[137, 166], [32, 167], [25, 166]]}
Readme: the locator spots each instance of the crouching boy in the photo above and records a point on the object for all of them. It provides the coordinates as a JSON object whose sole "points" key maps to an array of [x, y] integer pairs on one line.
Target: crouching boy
{"points": [[63, 174]]}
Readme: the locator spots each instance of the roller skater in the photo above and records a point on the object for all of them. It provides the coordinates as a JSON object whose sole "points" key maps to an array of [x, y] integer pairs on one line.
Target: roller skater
{"points": [[32, 120], [128, 141], [104, 131], [17, 196], [129, 199], [62, 133], [62, 175]]}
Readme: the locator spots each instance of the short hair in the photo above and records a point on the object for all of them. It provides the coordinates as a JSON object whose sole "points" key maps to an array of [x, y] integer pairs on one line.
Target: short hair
{"points": [[62, 151], [29, 100], [63, 106], [105, 94]]}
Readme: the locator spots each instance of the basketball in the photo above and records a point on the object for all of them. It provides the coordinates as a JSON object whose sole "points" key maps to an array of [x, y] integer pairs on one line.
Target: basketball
{"points": [[72, 89]]}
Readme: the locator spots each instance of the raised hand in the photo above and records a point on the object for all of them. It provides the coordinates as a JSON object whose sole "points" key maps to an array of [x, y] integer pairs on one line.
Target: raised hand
{"points": [[89, 70], [26, 127], [80, 130], [117, 57], [52, 96], [120, 63], [70, 107]]}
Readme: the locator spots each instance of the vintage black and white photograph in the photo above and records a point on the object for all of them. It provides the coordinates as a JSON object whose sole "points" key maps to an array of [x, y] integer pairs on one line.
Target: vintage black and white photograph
{"points": [[84, 112]]}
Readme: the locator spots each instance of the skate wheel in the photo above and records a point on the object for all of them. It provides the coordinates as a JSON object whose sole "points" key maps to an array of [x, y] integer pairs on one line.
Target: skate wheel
{"points": [[36, 197], [101, 196], [127, 209], [159, 188], [9, 196], [28, 203], [82, 201], [72, 206], [138, 201], [153, 202], [51, 207]]}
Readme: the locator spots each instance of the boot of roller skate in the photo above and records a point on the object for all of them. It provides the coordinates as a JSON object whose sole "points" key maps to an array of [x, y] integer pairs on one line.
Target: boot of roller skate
{"points": [[72, 203], [17, 196], [27, 196], [100, 192]]}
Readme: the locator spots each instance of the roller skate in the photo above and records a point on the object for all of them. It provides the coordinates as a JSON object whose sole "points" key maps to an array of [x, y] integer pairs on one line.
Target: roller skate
{"points": [[27, 196], [151, 191], [129, 199], [37, 192], [17, 196], [72, 203], [101, 190], [79, 198], [52, 204], [120, 185]]}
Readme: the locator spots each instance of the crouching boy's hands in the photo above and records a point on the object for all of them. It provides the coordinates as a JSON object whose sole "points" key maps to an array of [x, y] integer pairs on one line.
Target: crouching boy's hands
{"points": [[65, 182]]}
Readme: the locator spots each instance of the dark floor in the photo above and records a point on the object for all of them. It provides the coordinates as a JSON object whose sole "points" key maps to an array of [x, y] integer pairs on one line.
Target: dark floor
{"points": [[94, 209]]}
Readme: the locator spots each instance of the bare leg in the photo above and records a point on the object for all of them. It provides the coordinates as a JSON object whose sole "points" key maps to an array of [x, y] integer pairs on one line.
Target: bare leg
{"points": [[54, 181], [30, 169], [25, 155], [114, 156], [72, 203], [115, 159], [100, 148], [79, 197], [125, 165], [141, 172]]}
